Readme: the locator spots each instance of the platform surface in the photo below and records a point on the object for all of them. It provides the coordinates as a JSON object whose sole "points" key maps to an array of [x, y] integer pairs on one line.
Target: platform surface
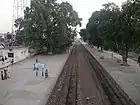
{"points": [[128, 77], [24, 88]]}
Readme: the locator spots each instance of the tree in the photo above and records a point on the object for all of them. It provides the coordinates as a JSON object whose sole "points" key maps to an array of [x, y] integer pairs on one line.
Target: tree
{"points": [[92, 28], [49, 24], [116, 29], [84, 34], [129, 21], [9, 36], [9, 39], [19, 24]]}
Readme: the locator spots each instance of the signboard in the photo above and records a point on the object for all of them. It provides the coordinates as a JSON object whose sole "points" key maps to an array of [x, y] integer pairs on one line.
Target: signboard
{"points": [[11, 55]]}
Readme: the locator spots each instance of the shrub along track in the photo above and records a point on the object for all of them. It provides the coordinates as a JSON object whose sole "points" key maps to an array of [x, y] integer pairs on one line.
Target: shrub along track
{"points": [[78, 83]]}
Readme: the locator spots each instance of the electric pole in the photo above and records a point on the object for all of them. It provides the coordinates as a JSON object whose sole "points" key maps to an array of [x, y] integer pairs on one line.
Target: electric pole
{"points": [[18, 11]]}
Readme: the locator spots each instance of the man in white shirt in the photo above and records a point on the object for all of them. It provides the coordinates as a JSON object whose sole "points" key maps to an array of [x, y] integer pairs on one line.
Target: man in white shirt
{"points": [[44, 70], [36, 68]]}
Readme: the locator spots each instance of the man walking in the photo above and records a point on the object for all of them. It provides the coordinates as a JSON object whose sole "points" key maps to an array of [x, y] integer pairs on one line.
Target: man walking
{"points": [[46, 73], [5, 58], [36, 65], [5, 73], [2, 75], [2, 59], [43, 70], [12, 61]]}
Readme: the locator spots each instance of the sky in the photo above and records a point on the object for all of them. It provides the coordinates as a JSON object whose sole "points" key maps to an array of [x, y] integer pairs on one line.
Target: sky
{"points": [[84, 8]]}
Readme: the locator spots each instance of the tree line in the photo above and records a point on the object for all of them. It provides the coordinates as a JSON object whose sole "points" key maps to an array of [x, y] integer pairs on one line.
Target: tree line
{"points": [[114, 28], [49, 24]]}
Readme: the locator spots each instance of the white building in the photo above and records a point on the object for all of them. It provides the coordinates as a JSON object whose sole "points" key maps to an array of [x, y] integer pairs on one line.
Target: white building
{"points": [[19, 53]]}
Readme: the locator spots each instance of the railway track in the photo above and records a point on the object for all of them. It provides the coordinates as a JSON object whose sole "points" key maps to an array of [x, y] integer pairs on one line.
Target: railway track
{"points": [[80, 83]]}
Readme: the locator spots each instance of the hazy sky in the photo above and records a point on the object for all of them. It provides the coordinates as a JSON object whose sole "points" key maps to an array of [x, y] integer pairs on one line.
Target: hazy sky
{"points": [[83, 7]]}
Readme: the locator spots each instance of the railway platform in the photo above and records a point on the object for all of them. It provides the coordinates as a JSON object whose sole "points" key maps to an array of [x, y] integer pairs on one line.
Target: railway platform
{"points": [[24, 88], [127, 77]]}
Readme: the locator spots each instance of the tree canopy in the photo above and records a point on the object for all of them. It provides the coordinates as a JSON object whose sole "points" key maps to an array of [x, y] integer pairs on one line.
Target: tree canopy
{"points": [[84, 34], [47, 23], [116, 29]]}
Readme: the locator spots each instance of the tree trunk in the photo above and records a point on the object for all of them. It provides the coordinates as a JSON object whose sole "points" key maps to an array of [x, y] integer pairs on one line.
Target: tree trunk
{"points": [[98, 47], [112, 54], [125, 56], [50, 49], [101, 48]]}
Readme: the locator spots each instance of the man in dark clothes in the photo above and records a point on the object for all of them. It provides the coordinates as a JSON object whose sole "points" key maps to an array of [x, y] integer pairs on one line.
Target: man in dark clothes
{"points": [[5, 74], [5, 58], [46, 73], [2, 75], [12, 61], [2, 59]]}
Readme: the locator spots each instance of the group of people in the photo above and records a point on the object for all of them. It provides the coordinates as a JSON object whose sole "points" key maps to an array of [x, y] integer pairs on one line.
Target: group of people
{"points": [[44, 69], [5, 73], [3, 59]]}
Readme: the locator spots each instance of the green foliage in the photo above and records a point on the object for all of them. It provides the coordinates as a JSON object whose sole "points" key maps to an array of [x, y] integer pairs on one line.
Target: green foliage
{"points": [[116, 29], [9, 36], [19, 24], [84, 34], [49, 24]]}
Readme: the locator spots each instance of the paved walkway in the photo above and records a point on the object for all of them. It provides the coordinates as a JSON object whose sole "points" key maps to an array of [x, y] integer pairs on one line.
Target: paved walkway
{"points": [[16, 59], [128, 77], [24, 88]]}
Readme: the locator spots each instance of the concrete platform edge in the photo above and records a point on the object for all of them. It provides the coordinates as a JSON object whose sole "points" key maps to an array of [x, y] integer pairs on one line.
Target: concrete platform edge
{"points": [[111, 80]]}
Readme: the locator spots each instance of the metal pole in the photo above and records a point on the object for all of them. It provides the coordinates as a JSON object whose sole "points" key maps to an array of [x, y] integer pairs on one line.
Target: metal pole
{"points": [[14, 7], [18, 10]]}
